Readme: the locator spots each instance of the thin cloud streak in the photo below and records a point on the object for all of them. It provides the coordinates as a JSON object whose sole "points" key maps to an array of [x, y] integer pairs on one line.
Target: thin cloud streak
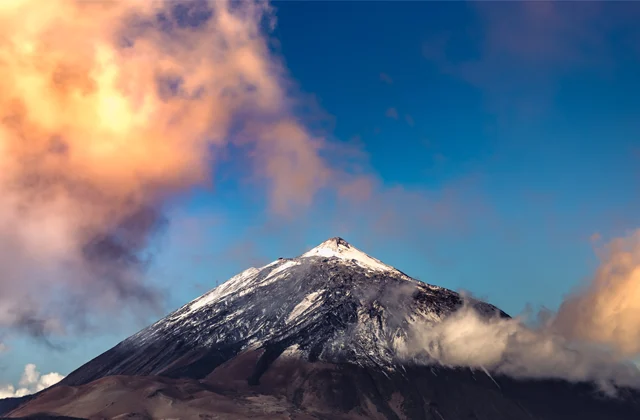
{"points": [[392, 113], [384, 77]]}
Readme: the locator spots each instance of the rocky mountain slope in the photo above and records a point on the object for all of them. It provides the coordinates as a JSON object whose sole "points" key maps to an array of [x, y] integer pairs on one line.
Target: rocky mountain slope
{"points": [[323, 335], [333, 303]]}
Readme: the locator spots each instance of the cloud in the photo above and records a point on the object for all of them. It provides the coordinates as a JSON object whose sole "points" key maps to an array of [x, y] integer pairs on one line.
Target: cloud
{"points": [[521, 50], [539, 33], [373, 215], [439, 157], [392, 113], [607, 310], [384, 77], [508, 346], [593, 337], [409, 119], [107, 111], [377, 214], [30, 382]]}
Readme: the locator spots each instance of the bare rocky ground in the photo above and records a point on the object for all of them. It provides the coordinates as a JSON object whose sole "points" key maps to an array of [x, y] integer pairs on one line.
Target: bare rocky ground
{"points": [[290, 389]]}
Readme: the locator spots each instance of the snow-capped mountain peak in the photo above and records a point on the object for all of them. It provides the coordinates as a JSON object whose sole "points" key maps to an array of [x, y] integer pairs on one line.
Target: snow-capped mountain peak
{"points": [[333, 325], [334, 302], [339, 248]]}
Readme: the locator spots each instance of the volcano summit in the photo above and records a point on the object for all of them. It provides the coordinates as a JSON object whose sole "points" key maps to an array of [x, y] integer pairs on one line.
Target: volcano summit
{"points": [[323, 335]]}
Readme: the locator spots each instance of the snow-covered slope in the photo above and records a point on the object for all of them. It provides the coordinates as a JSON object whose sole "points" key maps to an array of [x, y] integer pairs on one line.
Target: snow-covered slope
{"points": [[341, 249], [332, 303]]}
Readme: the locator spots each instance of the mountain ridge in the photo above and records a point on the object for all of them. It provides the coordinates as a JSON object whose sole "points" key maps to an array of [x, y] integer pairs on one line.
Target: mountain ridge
{"points": [[333, 285], [321, 335]]}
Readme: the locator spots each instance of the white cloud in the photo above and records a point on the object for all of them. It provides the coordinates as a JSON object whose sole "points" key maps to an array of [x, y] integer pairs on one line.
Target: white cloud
{"points": [[30, 382], [510, 347]]}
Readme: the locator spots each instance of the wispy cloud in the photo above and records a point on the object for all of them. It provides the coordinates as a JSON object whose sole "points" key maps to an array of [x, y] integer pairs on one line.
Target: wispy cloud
{"points": [[510, 347], [377, 215], [523, 48], [382, 213], [593, 337], [384, 77], [409, 119], [439, 158], [392, 113]]}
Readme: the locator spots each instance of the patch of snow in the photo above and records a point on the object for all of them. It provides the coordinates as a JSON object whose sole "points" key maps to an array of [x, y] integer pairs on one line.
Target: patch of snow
{"points": [[230, 286], [239, 285], [423, 317], [490, 377], [278, 273], [270, 264], [291, 351], [306, 303], [339, 248], [282, 267]]}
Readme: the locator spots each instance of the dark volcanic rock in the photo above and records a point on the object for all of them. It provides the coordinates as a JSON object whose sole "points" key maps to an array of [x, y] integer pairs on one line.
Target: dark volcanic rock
{"points": [[319, 336]]}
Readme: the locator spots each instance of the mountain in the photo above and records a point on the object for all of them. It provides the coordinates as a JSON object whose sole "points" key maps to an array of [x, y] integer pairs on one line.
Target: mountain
{"points": [[332, 303], [317, 336]]}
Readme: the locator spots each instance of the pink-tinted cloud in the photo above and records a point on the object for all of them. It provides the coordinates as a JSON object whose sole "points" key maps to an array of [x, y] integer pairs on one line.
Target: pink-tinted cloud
{"points": [[392, 113], [439, 158], [525, 47], [376, 214], [399, 213], [105, 114], [384, 77], [540, 33], [357, 190], [409, 119]]}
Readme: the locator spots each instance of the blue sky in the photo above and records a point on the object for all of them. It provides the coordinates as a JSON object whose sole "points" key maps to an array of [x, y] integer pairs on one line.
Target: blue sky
{"points": [[501, 138]]}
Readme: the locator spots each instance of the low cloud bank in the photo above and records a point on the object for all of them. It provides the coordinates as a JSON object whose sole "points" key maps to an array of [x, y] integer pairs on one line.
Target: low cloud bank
{"points": [[508, 346], [594, 336], [30, 382]]}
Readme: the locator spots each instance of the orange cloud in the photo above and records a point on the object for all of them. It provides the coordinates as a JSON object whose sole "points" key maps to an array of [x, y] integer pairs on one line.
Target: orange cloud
{"points": [[384, 77], [107, 108], [409, 119], [607, 311]]}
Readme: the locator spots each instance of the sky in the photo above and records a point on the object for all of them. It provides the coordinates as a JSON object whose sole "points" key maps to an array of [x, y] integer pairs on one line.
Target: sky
{"points": [[495, 146]]}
